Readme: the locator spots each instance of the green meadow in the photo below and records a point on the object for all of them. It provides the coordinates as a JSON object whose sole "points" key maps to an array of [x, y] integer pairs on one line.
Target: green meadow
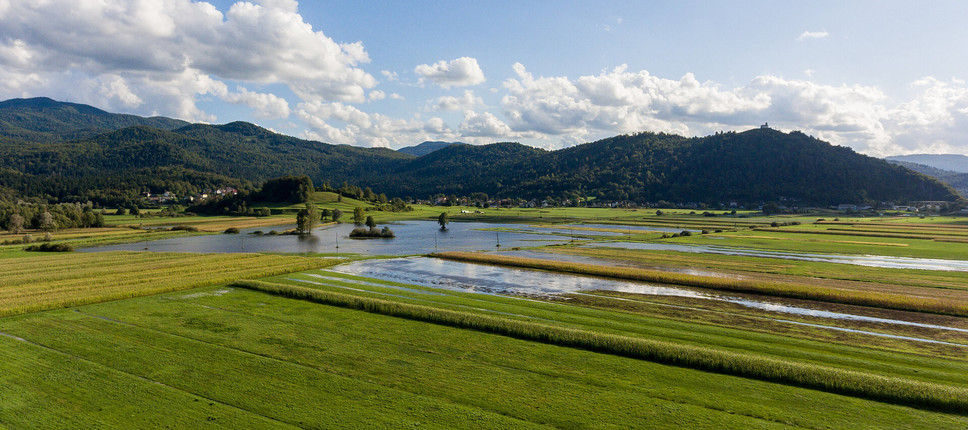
{"points": [[179, 340]]}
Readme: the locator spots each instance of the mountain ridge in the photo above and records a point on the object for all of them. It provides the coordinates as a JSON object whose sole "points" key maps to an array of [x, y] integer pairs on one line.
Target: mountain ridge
{"points": [[753, 166], [951, 162], [427, 147]]}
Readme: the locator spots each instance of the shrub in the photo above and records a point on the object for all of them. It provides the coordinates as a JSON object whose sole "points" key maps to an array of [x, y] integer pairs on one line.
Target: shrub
{"points": [[231, 230], [182, 227], [50, 247], [685, 233]]}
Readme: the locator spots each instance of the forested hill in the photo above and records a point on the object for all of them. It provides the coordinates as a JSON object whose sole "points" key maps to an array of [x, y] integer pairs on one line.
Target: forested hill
{"points": [[45, 120], [120, 156], [753, 166]]}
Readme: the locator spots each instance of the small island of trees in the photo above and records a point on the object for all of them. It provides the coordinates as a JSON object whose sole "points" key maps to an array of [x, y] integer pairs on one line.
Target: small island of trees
{"points": [[371, 231]]}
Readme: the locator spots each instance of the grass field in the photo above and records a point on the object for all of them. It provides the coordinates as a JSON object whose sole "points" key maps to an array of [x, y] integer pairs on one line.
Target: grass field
{"points": [[231, 357], [30, 284], [151, 340]]}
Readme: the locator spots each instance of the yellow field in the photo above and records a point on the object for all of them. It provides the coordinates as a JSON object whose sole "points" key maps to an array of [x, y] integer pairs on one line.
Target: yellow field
{"points": [[30, 284]]}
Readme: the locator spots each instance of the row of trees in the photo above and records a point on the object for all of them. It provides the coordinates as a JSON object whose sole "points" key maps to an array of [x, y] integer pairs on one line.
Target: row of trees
{"points": [[17, 218]]}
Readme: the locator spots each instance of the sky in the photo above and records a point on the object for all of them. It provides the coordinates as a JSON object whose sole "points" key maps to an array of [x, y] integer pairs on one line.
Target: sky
{"points": [[882, 77]]}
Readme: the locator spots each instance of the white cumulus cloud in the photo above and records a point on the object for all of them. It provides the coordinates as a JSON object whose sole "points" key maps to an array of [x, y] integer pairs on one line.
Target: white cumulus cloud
{"points": [[806, 35], [266, 105], [467, 101], [167, 53], [461, 72], [336, 122]]}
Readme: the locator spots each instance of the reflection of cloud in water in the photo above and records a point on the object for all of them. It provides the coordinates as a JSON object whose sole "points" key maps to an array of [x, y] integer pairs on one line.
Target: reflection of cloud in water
{"points": [[460, 276], [413, 237], [882, 261]]}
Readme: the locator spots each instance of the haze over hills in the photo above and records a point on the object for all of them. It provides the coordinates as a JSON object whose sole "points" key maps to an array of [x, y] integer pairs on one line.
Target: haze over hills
{"points": [[425, 148], [123, 155], [958, 181], [950, 162]]}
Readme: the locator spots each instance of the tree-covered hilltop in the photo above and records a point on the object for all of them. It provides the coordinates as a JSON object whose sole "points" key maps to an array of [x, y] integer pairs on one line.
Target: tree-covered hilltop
{"points": [[754, 166], [44, 120], [40, 158]]}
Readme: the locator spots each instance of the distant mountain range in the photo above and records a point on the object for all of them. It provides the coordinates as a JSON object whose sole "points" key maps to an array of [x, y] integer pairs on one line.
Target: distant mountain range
{"points": [[427, 147], [957, 180], [64, 151], [950, 162]]}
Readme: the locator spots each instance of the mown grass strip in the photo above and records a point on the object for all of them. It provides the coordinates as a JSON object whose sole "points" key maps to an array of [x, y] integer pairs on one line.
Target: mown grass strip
{"points": [[52, 282], [849, 242], [951, 239], [835, 380], [779, 289], [857, 233]]}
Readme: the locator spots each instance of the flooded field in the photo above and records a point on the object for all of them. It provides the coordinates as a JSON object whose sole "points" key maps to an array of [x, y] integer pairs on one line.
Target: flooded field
{"points": [[412, 237], [538, 254], [459, 276], [860, 260]]}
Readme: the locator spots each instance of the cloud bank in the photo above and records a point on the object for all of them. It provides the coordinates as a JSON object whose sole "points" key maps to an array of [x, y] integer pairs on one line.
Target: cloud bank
{"points": [[180, 57], [120, 53]]}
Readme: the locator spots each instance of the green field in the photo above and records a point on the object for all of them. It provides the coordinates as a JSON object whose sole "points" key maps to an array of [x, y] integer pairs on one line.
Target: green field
{"points": [[232, 357], [171, 340]]}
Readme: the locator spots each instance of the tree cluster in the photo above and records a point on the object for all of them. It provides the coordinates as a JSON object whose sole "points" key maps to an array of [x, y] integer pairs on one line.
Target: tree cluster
{"points": [[18, 218]]}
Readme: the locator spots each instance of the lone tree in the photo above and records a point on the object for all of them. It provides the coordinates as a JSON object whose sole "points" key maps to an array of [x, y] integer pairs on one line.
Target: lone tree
{"points": [[370, 223], [337, 214], [15, 224], [306, 219], [46, 222], [358, 216], [442, 220]]}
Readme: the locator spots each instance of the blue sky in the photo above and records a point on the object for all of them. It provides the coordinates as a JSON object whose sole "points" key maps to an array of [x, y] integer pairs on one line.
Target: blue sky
{"points": [[881, 77]]}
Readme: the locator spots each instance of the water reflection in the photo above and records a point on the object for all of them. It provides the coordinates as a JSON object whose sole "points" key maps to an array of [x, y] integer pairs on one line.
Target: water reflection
{"points": [[459, 276], [860, 260], [413, 237]]}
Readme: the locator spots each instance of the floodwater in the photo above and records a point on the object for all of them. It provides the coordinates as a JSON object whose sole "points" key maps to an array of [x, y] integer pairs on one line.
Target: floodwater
{"points": [[412, 237], [488, 279], [620, 230], [553, 256], [859, 260]]}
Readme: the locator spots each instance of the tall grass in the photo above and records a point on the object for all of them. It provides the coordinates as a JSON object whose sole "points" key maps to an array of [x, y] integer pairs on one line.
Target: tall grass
{"points": [[779, 289], [831, 379]]}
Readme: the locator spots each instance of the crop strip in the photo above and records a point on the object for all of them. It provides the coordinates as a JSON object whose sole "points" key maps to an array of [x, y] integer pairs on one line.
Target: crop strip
{"points": [[789, 290], [830, 379]]}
